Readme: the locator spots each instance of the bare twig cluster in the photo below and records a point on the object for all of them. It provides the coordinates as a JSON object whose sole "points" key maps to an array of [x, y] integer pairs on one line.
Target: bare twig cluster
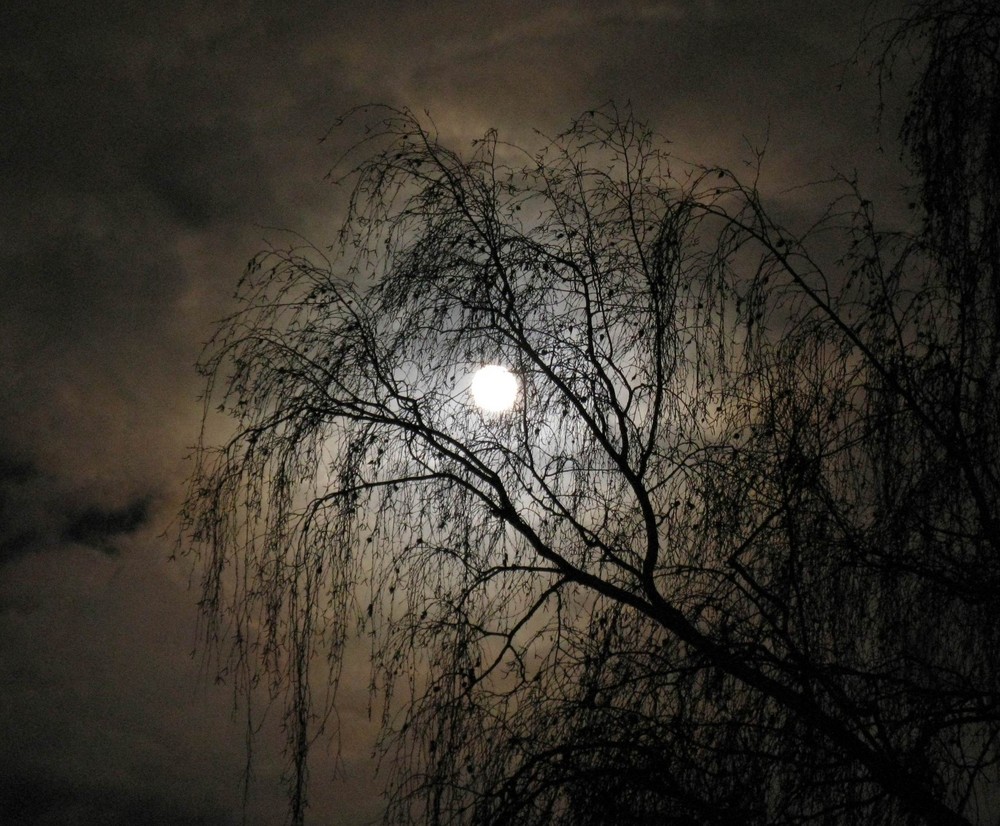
{"points": [[732, 557]]}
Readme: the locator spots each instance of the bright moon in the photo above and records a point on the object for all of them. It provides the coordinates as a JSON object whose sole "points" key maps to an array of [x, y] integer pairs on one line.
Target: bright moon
{"points": [[494, 388]]}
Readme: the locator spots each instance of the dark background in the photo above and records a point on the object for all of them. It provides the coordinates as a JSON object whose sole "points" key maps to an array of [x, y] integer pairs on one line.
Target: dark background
{"points": [[144, 152]]}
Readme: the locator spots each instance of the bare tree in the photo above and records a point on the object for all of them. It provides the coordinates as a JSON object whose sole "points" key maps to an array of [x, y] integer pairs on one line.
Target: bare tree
{"points": [[732, 556]]}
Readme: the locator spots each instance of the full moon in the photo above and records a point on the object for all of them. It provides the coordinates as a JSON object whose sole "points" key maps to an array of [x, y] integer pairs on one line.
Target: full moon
{"points": [[494, 388]]}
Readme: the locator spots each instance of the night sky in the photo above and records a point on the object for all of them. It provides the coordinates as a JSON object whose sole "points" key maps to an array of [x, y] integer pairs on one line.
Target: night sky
{"points": [[145, 153]]}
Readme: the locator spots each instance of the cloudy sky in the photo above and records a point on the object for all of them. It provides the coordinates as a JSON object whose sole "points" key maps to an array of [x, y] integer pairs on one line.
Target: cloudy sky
{"points": [[145, 149]]}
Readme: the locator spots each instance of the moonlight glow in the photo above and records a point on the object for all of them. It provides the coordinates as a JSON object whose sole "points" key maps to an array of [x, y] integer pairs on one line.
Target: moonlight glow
{"points": [[494, 388]]}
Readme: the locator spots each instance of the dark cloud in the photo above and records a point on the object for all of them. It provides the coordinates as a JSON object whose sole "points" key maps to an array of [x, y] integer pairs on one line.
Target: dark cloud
{"points": [[19, 543], [15, 474], [98, 528], [35, 518], [32, 801], [16, 537]]}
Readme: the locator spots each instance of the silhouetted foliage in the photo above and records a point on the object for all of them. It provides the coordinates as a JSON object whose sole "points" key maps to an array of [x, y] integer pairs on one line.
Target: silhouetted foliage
{"points": [[733, 556]]}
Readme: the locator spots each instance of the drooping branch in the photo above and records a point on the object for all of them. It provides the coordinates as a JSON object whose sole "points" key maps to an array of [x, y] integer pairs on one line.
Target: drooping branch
{"points": [[722, 440]]}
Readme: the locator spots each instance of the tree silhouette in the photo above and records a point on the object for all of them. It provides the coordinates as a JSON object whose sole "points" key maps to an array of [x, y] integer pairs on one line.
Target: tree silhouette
{"points": [[732, 556]]}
